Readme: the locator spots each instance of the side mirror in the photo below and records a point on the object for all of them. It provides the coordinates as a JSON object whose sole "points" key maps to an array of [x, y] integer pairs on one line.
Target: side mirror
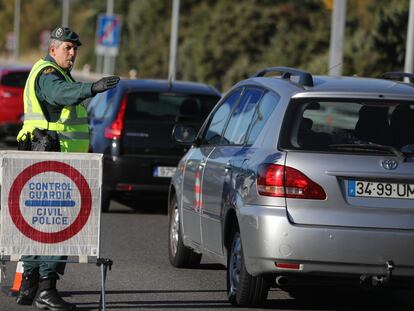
{"points": [[183, 134]]}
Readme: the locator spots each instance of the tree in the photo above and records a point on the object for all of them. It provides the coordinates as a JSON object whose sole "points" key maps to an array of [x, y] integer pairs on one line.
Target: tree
{"points": [[221, 41], [377, 45], [145, 38]]}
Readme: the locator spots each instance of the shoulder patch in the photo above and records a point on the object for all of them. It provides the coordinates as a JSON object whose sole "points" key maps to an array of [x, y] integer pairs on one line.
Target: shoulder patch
{"points": [[48, 70]]}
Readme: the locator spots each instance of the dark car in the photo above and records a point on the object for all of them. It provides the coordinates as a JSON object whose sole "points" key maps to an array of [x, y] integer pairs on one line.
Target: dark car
{"points": [[12, 82], [132, 125]]}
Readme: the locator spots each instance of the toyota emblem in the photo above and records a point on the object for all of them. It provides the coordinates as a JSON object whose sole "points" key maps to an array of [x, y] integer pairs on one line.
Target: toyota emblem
{"points": [[389, 164]]}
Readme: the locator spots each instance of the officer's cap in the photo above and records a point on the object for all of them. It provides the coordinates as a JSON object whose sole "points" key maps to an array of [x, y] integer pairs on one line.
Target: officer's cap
{"points": [[65, 34]]}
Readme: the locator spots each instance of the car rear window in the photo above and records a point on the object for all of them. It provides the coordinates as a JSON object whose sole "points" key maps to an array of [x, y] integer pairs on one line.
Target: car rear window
{"points": [[322, 125], [168, 106], [15, 79]]}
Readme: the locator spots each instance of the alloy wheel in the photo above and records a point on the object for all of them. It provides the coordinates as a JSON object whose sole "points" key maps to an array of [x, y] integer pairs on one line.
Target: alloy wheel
{"points": [[235, 264], [174, 227]]}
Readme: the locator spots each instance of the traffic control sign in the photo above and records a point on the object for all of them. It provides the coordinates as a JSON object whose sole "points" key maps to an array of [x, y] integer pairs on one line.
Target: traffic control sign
{"points": [[50, 206], [108, 34], [49, 210]]}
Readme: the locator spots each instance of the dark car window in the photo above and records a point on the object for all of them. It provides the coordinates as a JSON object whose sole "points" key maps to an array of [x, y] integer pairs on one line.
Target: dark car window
{"points": [[168, 106], [324, 125], [241, 117], [218, 120], [263, 111], [15, 79]]}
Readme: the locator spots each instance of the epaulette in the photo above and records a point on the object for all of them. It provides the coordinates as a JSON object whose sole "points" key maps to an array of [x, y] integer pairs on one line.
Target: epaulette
{"points": [[48, 70]]}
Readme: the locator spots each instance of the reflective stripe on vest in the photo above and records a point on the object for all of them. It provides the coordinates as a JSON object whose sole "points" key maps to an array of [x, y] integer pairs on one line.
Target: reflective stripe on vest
{"points": [[72, 126]]}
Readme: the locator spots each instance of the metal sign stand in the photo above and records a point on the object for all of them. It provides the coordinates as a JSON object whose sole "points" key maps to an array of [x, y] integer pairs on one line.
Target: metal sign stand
{"points": [[78, 180], [105, 263]]}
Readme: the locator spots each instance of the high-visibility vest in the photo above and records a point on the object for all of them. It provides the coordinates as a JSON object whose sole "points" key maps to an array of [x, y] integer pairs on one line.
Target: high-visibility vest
{"points": [[72, 126]]}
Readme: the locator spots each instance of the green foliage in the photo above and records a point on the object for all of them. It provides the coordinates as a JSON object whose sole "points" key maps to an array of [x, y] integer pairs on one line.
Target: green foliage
{"points": [[146, 34], [302, 37], [371, 51], [222, 41], [390, 34]]}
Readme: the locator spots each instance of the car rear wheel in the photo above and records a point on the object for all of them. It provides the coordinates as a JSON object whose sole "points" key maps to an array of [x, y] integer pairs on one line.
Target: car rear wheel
{"points": [[179, 255], [243, 289]]}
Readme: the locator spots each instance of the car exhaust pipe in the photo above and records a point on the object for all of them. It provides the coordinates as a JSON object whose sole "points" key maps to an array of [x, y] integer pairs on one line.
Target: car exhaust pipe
{"points": [[378, 280], [373, 280]]}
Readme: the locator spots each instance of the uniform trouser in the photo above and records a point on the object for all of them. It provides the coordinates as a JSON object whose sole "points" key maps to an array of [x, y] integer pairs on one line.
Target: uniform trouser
{"points": [[46, 265]]}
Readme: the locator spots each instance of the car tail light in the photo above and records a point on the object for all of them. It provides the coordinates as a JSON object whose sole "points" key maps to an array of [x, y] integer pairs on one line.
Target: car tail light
{"points": [[124, 187], [115, 129], [287, 265], [283, 181]]}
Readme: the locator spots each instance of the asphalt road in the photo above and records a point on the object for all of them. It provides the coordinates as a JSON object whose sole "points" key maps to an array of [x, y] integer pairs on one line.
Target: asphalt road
{"points": [[142, 278]]}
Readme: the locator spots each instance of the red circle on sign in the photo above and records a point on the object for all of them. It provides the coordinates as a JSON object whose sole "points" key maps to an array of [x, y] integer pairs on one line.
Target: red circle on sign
{"points": [[20, 182]]}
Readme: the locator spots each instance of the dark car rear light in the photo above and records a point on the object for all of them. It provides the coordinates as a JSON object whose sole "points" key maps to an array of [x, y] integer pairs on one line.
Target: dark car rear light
{"points": [[115, 129], [283, 181], [124, 187]]}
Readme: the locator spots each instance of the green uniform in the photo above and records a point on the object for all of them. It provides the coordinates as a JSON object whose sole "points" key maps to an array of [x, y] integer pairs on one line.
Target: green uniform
{"points": [[52, 100], [55, 91]]}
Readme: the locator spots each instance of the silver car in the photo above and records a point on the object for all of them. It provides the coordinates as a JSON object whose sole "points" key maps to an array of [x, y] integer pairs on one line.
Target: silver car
{"points": [[297, 180]]}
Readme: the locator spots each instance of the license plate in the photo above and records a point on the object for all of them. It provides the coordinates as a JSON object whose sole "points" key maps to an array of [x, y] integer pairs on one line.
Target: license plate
{"points": [[164, 171], [359, 188]]}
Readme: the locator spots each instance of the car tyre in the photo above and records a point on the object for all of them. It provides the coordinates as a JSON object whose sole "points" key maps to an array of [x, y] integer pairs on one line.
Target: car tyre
{"points": [[105, 201], [180, 256], [243, 289]]}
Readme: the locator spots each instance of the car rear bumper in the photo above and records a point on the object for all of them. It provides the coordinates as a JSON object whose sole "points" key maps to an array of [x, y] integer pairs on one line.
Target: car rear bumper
{"points": [[268, 237], [135, 174]]}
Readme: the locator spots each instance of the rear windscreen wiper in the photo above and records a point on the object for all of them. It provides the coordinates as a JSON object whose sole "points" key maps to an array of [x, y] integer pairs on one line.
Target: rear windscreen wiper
{"points": [[400, 155]]}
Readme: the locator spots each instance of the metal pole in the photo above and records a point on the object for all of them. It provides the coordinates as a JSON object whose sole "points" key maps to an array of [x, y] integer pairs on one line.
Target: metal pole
{"points": [[103, 280], [99, 59], [409, 61], [337, 37], [173, 40], [65, 13], [16, 30], [108, 60]]}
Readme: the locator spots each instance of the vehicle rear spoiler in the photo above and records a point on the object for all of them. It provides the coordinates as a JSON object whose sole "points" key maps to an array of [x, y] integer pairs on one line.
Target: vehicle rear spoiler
{"points": [[397, 75]]}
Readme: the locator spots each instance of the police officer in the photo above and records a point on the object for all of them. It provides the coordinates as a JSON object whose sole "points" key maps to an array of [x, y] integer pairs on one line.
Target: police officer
{"points": [[54, 120]]}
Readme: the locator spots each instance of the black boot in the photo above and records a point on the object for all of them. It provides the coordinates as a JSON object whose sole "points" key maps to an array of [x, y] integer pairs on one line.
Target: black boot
{"points": [[48, 297], [28, 288]]}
